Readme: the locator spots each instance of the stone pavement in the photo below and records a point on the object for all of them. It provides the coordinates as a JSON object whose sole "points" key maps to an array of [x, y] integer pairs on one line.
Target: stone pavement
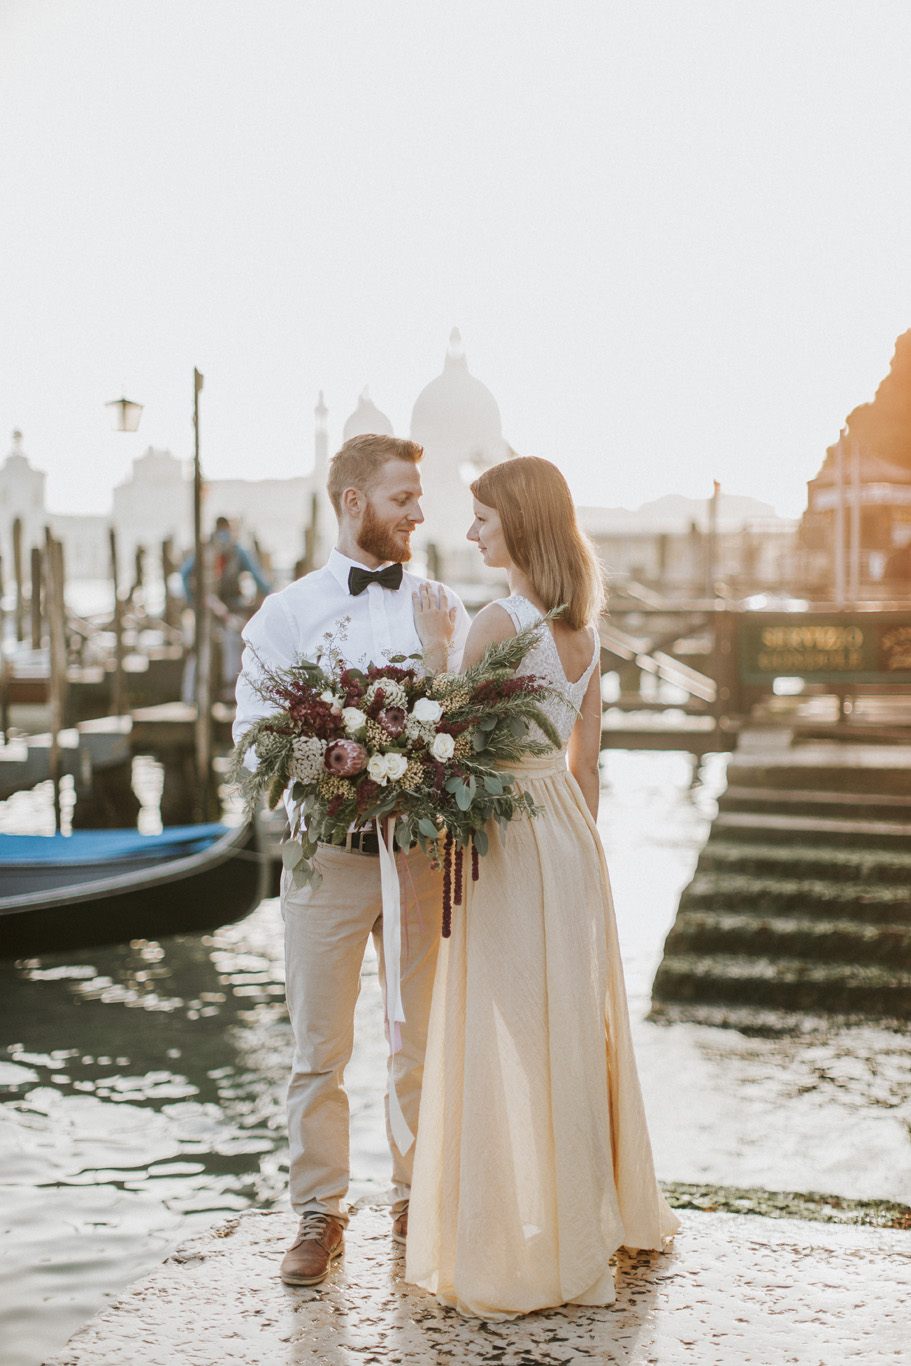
{"points": [[733, 1290]]}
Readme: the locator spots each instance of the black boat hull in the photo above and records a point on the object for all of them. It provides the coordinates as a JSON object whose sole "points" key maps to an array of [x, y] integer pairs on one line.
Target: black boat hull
{"points": [[185, 895]]}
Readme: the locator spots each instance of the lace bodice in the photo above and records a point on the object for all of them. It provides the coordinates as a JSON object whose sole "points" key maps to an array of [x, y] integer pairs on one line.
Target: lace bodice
{"points": [[544, 661]]}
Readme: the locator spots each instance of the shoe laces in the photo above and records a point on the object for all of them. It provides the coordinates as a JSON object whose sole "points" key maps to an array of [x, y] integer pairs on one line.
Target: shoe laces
{"points": [[313, 1225]]}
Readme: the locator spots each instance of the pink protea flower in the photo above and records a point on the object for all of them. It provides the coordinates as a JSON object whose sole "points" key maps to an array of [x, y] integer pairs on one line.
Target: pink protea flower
{"points": [[344, 758], [393, 720]]}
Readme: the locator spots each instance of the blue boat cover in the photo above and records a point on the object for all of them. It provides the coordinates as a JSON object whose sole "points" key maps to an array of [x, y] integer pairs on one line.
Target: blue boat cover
{"points": [[106, 846]]}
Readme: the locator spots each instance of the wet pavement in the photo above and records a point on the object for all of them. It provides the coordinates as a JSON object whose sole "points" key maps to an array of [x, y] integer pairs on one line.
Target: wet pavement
{"points": [[731, 1291]]}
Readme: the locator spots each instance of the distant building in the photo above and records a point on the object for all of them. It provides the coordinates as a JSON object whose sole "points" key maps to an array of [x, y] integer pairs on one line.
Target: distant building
{"points": [[457, 420], [22, 496], [153, 504], [666, 545], [366, 419], [865, 485], [883, 492]]}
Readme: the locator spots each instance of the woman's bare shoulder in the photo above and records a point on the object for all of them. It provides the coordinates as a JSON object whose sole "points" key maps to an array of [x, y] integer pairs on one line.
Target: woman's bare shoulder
{"points": [[494, 623]]}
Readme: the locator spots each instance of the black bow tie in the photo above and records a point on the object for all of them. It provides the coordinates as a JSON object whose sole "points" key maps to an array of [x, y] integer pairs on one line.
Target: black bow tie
{"points": [[358, 579]]}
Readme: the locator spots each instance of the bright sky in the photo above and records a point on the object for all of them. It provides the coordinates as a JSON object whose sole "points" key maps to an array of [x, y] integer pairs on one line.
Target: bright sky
{"points": [[675, 236]]}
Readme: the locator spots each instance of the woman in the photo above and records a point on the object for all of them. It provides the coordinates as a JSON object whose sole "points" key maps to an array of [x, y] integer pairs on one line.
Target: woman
{"points": [[533, 1162]]}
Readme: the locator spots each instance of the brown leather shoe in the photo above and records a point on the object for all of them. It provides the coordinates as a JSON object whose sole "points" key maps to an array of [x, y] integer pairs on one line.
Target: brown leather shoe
{"points": [[320, 1238], [400, 1227]]}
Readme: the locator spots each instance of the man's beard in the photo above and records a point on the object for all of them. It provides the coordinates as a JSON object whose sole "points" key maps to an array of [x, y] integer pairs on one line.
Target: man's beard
{"points": [[379, 539]]}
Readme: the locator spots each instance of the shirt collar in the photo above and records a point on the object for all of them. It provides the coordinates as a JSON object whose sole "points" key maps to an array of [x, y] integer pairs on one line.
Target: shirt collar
{"points": [[339, 565]]}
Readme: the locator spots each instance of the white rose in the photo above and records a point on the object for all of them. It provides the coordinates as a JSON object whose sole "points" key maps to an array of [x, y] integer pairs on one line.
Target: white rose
{"points": [[333, 701], [377, 768], [353, 720], [425, 709], [442, 747], [395, 766]]}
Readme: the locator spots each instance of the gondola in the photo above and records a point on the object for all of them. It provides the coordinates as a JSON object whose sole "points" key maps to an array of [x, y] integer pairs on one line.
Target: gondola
{"points": [[62, 892]]}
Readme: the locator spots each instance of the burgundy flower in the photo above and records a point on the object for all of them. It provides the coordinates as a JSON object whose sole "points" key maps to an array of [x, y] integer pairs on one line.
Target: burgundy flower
{"points": [[393, 719], [344, 758]]}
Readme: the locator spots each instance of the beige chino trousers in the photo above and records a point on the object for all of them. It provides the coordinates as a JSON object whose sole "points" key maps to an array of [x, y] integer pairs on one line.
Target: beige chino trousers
{"points": [[326, 934]]}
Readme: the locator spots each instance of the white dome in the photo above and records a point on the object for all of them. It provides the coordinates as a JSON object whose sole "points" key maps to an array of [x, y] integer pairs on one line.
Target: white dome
{"points": [[456, 415], [367, 420]]}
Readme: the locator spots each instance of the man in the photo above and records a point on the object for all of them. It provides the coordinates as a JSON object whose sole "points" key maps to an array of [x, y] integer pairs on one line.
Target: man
{"points": [[375, 488], [227, 602]]}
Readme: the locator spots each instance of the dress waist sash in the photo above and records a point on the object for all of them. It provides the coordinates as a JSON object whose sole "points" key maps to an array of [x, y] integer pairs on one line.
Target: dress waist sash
{"points": [[537, 766]]}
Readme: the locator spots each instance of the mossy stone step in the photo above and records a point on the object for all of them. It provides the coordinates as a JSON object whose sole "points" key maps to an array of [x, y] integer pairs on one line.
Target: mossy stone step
{"points": [[811, 897], [785, 984], [819, 941], [824, 767], [820, 830], [852, 864], [798, 802]]}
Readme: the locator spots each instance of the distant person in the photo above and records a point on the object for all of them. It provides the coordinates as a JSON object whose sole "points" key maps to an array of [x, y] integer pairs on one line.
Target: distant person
{"points": [[227, 600]]}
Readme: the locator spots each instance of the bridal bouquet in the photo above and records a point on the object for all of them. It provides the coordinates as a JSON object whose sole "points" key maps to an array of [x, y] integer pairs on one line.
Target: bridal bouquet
{"points": [[421, 755]]}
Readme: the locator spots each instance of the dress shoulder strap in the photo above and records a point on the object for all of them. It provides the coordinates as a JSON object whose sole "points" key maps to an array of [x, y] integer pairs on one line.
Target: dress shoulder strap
{"points": [[522, 612]]}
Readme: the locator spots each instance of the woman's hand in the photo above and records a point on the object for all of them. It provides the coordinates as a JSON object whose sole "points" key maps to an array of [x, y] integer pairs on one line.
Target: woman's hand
{"points": [[434, 621]]}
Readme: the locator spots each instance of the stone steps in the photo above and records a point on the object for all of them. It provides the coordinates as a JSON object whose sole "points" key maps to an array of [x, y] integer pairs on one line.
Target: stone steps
{"points": [[822, 830], [786, 984], [798, 802], [881, 770], [870, 866], [813, 941], [801, 900], [813, 898]]}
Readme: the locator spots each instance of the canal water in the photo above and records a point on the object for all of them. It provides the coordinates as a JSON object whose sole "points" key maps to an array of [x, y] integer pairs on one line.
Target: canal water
{"points": [[142, 1086]]}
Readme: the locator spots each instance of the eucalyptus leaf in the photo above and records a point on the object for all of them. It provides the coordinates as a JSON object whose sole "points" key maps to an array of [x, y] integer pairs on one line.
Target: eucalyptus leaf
{"points": [[493, 784], [463, 797], [427, 827], [481, 842], [292, 854]]}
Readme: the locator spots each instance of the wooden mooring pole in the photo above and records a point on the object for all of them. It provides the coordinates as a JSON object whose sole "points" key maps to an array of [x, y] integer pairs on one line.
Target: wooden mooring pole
{"points": [[35, 603], [17, 574], [56, 620], [117, 688]]}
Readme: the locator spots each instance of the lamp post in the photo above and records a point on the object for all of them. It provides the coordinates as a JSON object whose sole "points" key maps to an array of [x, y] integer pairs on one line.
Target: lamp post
{"points": [[202, 630], [125, 414]]}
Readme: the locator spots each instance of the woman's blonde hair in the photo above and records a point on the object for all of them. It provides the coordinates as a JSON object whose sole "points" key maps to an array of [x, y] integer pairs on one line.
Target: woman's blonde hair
{"points": [[543, 537]]}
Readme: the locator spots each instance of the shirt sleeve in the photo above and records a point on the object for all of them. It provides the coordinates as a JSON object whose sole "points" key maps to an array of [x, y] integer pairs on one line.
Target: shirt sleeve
{"points": [[252, 567], [270, 642]]}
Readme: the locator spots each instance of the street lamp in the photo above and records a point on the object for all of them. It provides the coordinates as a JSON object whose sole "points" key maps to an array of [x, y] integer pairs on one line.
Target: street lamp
{"points": [[125, 414]]}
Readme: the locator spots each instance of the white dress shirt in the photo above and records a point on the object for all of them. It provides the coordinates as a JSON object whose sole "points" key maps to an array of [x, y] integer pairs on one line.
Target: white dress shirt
{"points": [[296, 621]]}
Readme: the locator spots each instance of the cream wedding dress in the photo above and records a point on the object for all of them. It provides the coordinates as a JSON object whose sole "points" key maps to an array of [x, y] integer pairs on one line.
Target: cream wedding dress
{"points": [[533, 1163]]}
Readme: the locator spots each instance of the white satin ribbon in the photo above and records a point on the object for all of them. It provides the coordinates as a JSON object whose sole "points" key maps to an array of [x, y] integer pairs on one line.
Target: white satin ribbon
{"points": [[392, 956]]}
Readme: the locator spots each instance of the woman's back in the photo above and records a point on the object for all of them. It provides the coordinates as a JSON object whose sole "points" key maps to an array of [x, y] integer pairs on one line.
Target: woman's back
{"points": [[564, 658]]}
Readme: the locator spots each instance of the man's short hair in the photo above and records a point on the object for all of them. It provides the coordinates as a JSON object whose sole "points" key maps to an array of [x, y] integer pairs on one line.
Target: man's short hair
{"points": [[360, 460]]}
